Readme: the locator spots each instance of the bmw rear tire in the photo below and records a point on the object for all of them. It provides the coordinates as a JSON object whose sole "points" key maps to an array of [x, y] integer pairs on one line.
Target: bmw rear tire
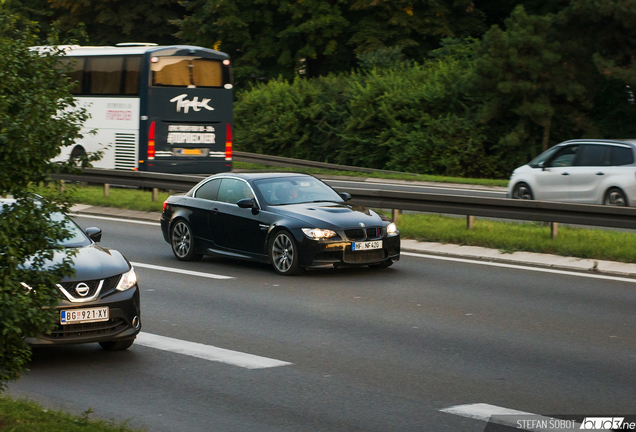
{"points": [[182, 241]]}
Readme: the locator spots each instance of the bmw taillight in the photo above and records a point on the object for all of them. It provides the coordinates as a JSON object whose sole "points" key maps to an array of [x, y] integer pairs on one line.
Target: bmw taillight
{"points": [[151, 141], [228, 142], [165, 204]]}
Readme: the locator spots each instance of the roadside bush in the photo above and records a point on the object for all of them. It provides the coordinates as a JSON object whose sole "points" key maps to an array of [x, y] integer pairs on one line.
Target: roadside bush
{"points": [[415, 118]]}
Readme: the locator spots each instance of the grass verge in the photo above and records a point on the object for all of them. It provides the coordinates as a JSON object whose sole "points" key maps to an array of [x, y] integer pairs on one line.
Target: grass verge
{"points": [[27, 416], [124, 198], [401, 176], [528, 237], [505, 236]]}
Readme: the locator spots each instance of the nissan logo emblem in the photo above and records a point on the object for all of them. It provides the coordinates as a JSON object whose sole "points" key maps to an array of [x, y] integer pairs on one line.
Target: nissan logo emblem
{"points": [[82, 289]]}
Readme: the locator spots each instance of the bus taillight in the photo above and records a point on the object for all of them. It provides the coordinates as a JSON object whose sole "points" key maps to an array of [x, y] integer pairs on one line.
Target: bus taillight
{"points": [[228, 142], [151, 141]]}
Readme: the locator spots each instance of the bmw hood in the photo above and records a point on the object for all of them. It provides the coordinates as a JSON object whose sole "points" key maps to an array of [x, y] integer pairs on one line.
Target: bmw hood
{"points": [[332, 215], [93, 262]]}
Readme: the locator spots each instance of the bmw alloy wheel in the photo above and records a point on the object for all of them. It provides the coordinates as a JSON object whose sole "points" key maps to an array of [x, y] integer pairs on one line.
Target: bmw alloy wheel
{"points": [[283, 254], [182, 242]]}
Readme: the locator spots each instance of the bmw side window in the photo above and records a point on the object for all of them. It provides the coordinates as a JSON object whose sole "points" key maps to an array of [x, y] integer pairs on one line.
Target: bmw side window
{"points": [[622, 156], [209, 190], [594, 155], [565, 157], [233, 190]]}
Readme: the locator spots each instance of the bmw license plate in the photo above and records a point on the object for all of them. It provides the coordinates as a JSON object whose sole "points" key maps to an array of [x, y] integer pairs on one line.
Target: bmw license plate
{"points": [[366, 245], [79, 316]]}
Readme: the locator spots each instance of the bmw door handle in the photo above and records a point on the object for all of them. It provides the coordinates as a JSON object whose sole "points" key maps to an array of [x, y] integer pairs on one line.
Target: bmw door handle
{"points": [[214, 211], [600, 173], [566, 173]]}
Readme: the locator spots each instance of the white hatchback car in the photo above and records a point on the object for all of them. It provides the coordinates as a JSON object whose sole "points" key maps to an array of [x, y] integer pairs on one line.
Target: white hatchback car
{"points": [[580, 171]]}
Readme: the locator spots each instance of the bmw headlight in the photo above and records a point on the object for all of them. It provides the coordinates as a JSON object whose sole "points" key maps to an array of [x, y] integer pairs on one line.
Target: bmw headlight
{"points": [[391, 229], [128, 280], [317, 233]]}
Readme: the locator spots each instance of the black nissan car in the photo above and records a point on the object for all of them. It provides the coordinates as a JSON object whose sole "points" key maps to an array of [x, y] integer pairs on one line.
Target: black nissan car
{"points": [[100, 302], [293, 221]]}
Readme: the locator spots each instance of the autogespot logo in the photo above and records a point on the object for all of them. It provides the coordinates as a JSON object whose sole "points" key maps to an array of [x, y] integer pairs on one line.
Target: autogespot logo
{"points": [[606, 423]]}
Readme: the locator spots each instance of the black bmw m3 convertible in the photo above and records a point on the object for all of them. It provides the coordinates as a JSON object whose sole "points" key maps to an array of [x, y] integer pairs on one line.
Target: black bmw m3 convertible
{"points": [[293, 221]]}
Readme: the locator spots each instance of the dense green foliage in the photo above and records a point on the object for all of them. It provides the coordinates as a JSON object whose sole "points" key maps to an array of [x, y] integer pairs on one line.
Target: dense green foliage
{"points": [[103, 22], [416, 118], [479, 108], [268, 38], [36, 119], [422, 86]]}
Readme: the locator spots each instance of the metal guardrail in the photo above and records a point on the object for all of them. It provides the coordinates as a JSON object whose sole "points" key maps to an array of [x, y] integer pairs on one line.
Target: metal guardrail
{"points": [[279, 161], [542, 211], [175, 182]]}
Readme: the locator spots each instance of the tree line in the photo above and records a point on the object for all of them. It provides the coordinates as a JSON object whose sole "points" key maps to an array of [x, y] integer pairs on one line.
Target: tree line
{"points": [[509, 78]]}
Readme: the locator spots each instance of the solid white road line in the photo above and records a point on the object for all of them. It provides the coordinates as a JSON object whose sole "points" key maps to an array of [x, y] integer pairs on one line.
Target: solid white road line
{"points": [[180, 271], [207, 352], [519, 267], [513, 418], [115, 219]]}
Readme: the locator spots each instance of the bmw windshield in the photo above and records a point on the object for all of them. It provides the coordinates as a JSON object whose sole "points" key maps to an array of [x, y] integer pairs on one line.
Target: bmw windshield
{"points": [[295, 190]]}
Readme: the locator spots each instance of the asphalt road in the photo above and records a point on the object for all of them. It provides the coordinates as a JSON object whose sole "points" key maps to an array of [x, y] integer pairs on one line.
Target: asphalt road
{"points": [[358, 349]]}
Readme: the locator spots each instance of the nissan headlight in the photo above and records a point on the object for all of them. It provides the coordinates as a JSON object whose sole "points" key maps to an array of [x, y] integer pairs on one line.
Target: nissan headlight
{"points": [[317, 233], [128, 280], [391, 229]]}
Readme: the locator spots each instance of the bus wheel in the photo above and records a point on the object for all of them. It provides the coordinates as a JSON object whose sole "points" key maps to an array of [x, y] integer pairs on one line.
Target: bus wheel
{"points": [[77, 155]]}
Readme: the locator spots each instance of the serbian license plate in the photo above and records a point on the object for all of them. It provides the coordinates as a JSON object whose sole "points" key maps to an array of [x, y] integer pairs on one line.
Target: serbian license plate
{"points": [[78, 316], [366, 245]]}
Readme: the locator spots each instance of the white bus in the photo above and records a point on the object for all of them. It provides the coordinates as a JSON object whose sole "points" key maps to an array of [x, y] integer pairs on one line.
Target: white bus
{"points": [[154, 108]]}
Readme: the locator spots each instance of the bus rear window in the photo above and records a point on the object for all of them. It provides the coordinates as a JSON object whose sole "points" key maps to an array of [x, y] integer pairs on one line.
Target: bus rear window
{"points": [[180, 71]]}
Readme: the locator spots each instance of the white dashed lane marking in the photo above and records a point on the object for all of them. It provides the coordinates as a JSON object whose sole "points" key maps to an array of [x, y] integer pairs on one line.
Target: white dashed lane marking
{"points": [[180, 271], [207, 352]]}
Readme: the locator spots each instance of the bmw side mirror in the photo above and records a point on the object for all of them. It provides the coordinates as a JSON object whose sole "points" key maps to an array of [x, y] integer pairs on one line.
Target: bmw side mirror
{"points": [[249, 203], [246, 203], [345, 196], [542, 165], [94, 234]]}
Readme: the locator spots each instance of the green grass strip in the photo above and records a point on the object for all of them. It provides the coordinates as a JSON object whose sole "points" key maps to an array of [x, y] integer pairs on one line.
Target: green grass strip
{"points": [[528, 237], [27, 416], [124, 198]]}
